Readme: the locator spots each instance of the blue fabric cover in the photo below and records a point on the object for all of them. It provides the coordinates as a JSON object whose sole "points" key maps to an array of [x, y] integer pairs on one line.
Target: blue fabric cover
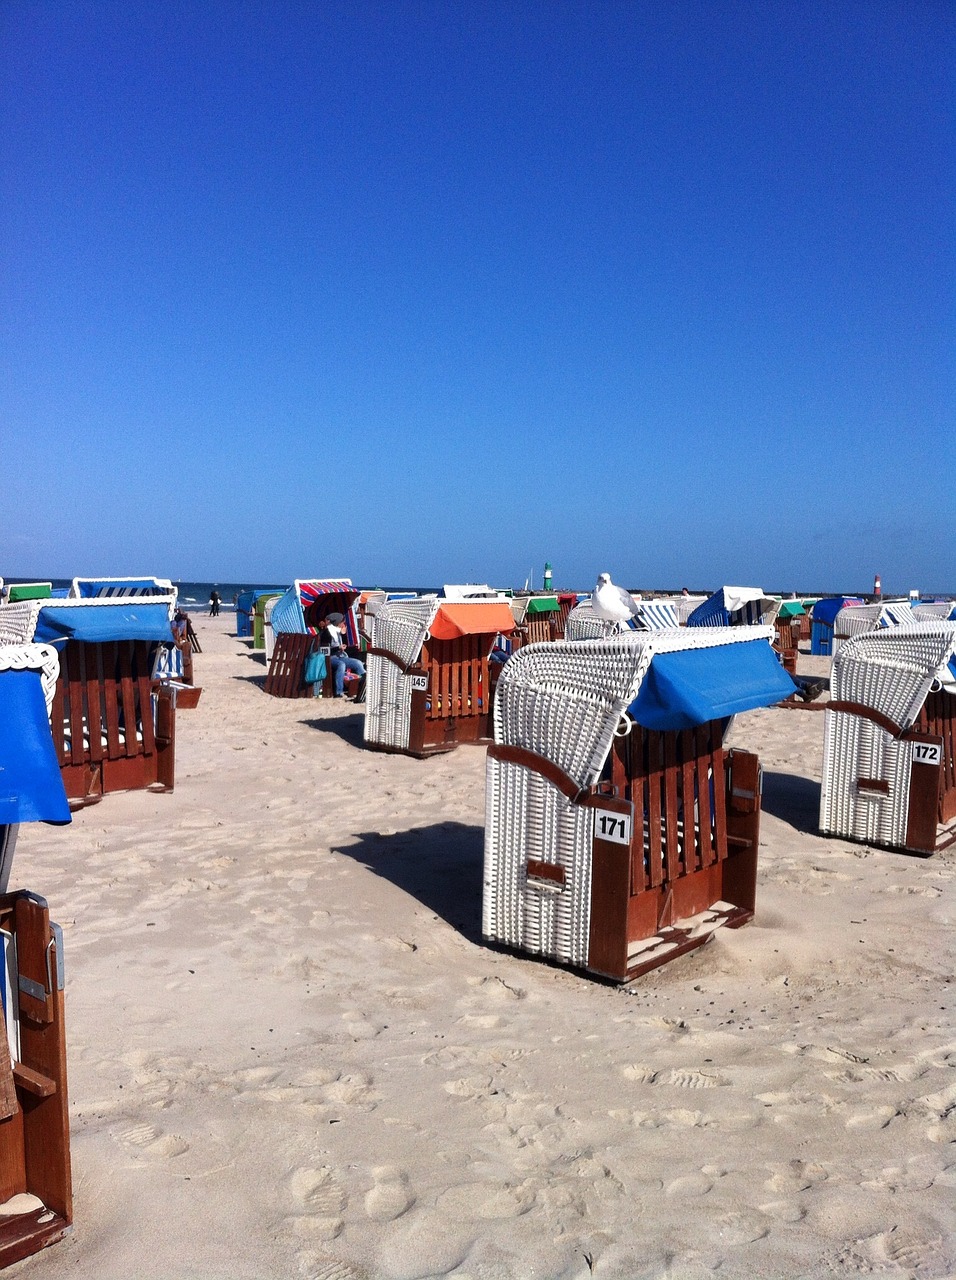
{"points": [[98, 623], [31, 785], [827, 610], [90, 587], [710, 613], [693, 686], [287, 614]]}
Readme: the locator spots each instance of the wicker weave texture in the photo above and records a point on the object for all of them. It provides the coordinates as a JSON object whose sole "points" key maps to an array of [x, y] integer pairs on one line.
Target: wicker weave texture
{"points": [[584, 624], [892, 669], [526, 817], [401, 628], [854, 748]]}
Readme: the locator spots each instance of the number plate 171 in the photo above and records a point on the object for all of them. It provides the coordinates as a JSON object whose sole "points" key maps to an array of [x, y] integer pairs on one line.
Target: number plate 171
{"points": [[615, 827]]}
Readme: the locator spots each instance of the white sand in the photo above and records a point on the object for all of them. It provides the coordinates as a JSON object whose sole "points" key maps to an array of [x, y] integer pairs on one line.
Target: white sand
{"points": [[291, 1055]]}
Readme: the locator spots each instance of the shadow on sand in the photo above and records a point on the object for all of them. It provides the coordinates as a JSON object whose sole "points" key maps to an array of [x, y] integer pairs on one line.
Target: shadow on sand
{"points": [[350, 729], [792, 799], [440, 865]]}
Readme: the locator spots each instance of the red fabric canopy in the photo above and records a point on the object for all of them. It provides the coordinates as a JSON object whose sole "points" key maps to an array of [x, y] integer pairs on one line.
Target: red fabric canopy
{"points": [[480, 618]]}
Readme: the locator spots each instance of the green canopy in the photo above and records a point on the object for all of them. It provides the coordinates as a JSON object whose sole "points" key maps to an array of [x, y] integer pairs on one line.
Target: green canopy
{"points": [[543, 604], [791, 609]]}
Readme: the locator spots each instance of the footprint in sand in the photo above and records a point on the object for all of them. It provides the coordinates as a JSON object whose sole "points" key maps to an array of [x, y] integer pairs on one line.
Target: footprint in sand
{"points": [[742, 1227], [905, 1249], [875, 1118], [322, 1200], [689, 1188], [795, 1176], [314, 1267], [942, 1109], [390, 1197], [146, 1137], [476, 1201], [681, 1079]]}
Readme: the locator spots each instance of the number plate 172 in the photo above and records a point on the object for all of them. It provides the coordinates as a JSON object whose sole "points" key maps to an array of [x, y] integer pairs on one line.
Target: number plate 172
{"points": [[927, 753], [615, 827]]}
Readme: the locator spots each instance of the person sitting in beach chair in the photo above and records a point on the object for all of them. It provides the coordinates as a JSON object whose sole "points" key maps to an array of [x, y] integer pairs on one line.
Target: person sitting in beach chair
{"points": [[341, 661]]}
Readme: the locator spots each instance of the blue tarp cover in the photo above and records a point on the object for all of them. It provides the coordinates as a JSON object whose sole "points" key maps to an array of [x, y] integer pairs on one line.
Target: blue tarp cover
{"points": [[693, 686], [31, 785], [98, 623]]}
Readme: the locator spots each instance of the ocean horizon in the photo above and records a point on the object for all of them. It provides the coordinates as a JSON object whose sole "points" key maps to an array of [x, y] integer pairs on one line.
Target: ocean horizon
{"points": [[194, 595]]}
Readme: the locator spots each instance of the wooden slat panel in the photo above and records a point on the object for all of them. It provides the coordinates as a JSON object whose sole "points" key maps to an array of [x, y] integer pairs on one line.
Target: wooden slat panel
{"points": [[131, 745], [653, 763], [708, 851], [688, 773], [111, 710], [672, 859], [90, 672], [144, 697]]}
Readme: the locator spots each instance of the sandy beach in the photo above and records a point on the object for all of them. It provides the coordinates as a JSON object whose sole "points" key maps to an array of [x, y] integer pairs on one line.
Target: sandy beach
{"points": [[291, 1054]]}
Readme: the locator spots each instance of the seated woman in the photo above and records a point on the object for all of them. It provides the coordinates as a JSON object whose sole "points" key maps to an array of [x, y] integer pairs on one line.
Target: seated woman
{"points": [[331, 634]]}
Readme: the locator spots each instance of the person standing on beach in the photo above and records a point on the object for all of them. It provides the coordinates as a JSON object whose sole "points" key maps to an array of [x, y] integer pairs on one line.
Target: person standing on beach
{"points": [[214, 599]]}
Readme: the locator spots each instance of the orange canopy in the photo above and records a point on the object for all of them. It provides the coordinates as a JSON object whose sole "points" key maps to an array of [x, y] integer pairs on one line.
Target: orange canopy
{"points": [[480, 618]]}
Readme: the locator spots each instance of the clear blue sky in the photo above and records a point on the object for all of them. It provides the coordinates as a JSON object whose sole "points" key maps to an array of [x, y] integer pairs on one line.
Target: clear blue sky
{"points": [[436, 291]]}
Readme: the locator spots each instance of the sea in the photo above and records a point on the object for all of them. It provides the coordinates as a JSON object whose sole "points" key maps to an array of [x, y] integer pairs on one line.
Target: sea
{"points": [[194, 596]]}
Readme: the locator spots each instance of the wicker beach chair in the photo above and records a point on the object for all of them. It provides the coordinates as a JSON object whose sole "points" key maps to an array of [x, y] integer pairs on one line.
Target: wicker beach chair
{"points": [[822, 618], [537, 618], [295, 619], [619, 833], [34, 1110], [735, 607], [113, 730], [890, 739], [857, 620], [935, 611], [430, 674]]}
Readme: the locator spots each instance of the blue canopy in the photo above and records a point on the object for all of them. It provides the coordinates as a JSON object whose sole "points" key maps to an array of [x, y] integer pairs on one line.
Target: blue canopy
{"points": [[827, 610], [31, 785], [128, 620], [91, 587], [692, 686]]}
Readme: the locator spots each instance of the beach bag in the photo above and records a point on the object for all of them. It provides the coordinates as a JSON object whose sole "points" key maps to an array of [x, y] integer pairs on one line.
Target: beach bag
{"points": [[315, 668]]}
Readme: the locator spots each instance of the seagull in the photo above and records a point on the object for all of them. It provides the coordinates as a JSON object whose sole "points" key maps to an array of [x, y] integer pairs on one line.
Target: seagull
{"points": [[611, 602]]}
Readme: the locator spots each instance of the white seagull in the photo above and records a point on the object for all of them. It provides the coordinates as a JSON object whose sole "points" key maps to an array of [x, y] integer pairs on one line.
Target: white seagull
{"points": [[611, 602]]}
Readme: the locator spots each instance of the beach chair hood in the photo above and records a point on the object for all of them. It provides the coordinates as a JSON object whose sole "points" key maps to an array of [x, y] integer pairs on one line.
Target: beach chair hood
{"points": [[719, 609], [103, 621], [893, 669], [288, 612], [565, 701], [471, 619], [95, 588], [31, 785]]}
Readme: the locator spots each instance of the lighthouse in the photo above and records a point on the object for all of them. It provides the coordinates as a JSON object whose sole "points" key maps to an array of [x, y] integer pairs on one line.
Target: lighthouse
{"points": [[547, 575]]}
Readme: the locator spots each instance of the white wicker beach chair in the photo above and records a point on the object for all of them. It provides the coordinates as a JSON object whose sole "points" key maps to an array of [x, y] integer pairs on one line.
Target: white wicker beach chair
{"points": [[858, 620], [935, 611], [428, 692], [584, 624], [890, 738], [610, 844]]}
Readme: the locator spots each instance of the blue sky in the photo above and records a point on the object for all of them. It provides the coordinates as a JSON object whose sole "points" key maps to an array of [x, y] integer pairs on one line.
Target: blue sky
{"points": [[425, 292]]}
